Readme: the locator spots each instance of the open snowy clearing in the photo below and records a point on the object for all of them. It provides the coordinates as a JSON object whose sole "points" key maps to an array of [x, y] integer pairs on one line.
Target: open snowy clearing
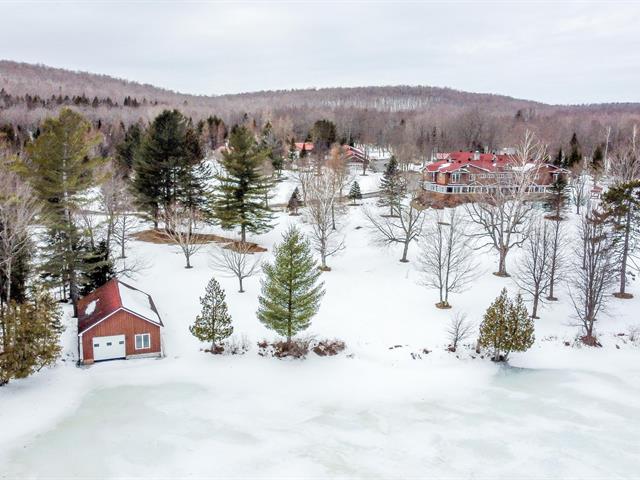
{"points": [[373, 411]]}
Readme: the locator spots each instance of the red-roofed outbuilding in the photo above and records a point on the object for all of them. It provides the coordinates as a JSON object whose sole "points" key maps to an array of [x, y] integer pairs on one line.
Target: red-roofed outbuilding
{"points": [[118, 321]]}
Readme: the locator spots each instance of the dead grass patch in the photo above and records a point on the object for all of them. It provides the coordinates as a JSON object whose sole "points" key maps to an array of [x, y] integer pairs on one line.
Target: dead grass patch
{"points": [[161, 237]]}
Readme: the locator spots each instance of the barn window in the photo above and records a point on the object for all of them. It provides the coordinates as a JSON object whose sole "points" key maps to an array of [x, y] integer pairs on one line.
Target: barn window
{"points": [[143, 340]]}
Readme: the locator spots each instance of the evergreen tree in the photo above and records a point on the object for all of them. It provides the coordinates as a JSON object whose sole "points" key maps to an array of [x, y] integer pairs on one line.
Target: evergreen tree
{"points": [[575, 154], [354, 192], [98, 266], [291, 292], [294, 202], [127, 150], [31, 338], [558, 160], [60, 168], [239, 200], [506, 327], [557, 198], [622, 205], [293, 151], [273, 147], [214, 322], [168, 167], [392, 187], [597, 159], [324, 135]]}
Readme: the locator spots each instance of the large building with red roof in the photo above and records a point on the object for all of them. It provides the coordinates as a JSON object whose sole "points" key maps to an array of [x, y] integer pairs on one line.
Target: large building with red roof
{"points": [[118, 321], [475, 172]]}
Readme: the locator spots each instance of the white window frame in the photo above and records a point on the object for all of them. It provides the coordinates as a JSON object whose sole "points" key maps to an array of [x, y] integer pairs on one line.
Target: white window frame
{"points": [[142, 337]]}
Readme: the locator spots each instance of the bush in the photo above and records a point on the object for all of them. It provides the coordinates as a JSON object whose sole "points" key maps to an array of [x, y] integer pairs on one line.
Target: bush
{"points": [[296, 348], [506, 327], [328, 348]]}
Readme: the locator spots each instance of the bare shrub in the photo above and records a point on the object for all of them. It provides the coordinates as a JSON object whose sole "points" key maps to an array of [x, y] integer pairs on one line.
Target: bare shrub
{"points": [[328, 348], [237, 345], [295, 348], [459, 329]]}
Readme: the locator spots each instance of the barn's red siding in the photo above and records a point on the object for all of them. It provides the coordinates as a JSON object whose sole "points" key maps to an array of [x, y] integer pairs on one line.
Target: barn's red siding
{"points": [[119, 323]]}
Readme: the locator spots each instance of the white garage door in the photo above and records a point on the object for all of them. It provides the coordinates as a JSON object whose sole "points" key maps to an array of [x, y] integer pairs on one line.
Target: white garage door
{"points": [[107, 348]]}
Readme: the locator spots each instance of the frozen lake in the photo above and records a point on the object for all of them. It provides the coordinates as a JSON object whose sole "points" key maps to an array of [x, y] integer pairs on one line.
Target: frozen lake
{"points": [[517, 423]]}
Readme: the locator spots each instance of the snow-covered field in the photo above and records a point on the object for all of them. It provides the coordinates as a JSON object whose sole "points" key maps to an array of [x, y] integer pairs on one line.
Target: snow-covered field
{"points": [[374, 411]]}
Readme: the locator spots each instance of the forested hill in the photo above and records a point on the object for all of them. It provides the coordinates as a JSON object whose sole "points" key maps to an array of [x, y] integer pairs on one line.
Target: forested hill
{"points": [[387, 114]]}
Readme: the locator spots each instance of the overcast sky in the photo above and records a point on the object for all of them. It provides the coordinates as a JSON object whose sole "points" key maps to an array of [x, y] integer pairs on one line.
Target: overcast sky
{"points": [[558, 53]]}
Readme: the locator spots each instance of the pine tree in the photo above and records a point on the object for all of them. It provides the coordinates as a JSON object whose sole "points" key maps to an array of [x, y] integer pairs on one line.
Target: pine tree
{"points": [[98, 266], [31, 339], [168, 167], [392, 187], [294, 202], [214, 322], [506, 327], [575, 155], [291, 293], [558, 160], [273, 147], [558, 198], [355, 193], [60, 168], [127, 150], [324, 135], [597, 159], [622, 205], [239, 199]]}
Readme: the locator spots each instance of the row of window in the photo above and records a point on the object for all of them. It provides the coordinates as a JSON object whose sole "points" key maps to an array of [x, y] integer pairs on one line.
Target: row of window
{"points": [[432, 187], [142, 342]]}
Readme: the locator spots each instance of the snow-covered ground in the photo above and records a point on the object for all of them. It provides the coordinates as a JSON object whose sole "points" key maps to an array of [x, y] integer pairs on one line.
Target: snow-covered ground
{"points": [[374, 411]]}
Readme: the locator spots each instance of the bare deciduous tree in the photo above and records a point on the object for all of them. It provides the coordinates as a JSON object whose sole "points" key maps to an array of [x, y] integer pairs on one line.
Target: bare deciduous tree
{"points": [[579, 188], [321, 210], [446, 260], [18, 209], [236, 259], [181, 226], [403, 229], [534, 268], [625, 166], [594, 272], [117, 203], [458, 330], [559, 242], [501, 214]]}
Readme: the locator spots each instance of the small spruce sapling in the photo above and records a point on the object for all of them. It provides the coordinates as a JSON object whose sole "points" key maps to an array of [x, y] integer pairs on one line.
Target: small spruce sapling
{"points": [[291, 292], [355, 193], [294, 202], [214, 322]]}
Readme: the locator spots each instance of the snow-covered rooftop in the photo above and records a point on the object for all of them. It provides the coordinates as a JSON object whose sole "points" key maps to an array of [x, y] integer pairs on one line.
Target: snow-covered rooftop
{"points": [[138, 302]]}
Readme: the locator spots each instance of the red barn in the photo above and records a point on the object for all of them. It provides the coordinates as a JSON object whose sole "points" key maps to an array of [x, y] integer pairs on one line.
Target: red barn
{"points": [[118, 321]]}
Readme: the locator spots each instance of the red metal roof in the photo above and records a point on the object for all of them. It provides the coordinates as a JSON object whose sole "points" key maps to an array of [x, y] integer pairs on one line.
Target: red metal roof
{"points": [[106, 300], [457, 160], [308, 146]]}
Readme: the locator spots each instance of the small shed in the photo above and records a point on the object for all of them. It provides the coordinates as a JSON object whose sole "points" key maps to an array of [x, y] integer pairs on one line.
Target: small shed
{"points": [[118, 321]]}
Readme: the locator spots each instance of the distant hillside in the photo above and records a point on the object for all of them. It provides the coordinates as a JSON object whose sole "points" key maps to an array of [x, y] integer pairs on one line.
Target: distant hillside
{"points": [[384, 115]]}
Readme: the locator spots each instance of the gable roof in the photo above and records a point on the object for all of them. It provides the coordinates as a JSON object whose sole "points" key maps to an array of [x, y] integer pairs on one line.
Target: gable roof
{"points": [[308, 146], [111, 297], [488, 162]]}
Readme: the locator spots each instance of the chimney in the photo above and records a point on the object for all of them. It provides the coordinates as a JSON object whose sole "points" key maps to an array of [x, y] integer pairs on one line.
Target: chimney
{"points": [[476, 155]]}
